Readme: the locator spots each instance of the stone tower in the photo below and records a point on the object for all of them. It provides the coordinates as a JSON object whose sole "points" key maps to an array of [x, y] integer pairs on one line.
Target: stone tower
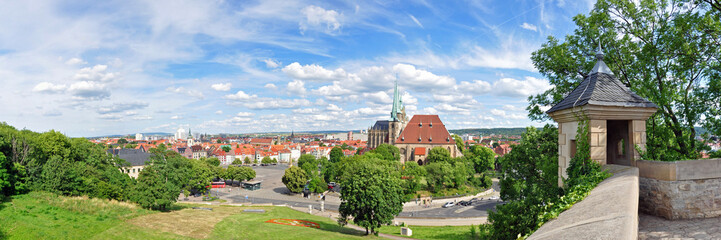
{"points": [[616, 118]]}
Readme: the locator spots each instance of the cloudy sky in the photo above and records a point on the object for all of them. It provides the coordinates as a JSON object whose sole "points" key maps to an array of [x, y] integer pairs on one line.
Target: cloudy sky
{"points": [[116, 67]]}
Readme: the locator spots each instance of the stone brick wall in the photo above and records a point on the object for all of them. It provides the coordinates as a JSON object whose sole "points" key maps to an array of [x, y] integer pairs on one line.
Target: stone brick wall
{"points": [[680, 190]]}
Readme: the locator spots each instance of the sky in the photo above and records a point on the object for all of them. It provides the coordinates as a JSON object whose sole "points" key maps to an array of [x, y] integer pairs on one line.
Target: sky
{"points": [[92, 68]]}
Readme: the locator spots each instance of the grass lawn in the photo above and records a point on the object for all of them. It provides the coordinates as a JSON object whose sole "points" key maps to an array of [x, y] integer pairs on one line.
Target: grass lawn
{"points": [[431, 232], [39, 215]]}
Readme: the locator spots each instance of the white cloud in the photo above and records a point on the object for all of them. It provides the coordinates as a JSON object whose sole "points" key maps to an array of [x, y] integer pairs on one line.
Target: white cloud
{"points": [[504, 115], [119, 107], [276, 103], [520, 88], [240, 95], [333, 108], [270, 86], [529, 26], [223, 87], [190, 92], [313, 72], [46, 87], [245, 114], [476, 87], [176, 117], [270, 63], [88, 90], [415, 20], [422, 79], [52, 113], [318, 18], [75, 61], [219, 112], [96, 73], [145, 117], [296, 87]]}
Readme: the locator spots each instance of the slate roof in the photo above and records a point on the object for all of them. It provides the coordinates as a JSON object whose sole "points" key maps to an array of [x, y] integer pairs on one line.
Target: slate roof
{"points": [[425, 129], [601, 88], [135, 157], [381, 125]]}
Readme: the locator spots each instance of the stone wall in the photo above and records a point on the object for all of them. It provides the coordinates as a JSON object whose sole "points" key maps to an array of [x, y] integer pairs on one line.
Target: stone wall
{"points": [[681, 189], [610, 211]]}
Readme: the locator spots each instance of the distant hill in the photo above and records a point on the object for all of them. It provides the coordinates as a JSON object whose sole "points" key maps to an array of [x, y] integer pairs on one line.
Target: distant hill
{"points": [[133, 135], [489, 131]]}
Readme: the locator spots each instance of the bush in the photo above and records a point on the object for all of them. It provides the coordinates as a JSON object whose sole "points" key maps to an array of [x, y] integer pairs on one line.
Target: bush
{"points": [[294, 179]]}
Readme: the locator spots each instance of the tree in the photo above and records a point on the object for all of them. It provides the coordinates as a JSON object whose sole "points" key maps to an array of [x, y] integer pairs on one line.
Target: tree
{"points": [[459, 142], [6, 177], [294, 179], [439, 154], [529, 181], [214, 161], [237, 161], [483, 158], [226, 148], [308, 163], [440, 175], [122, 141], [411, 174], [317, 184], [246, 160], [219, 141], [664, 50], [266, 160], [336, 154], [371, 196], [388, 152]]}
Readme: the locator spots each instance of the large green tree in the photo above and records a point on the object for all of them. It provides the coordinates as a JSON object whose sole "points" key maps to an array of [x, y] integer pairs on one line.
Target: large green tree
{"points": [[160, 182], [371, 196], [529, 182], [336, 154], [483, 158], [294, 179], [665, 50]]}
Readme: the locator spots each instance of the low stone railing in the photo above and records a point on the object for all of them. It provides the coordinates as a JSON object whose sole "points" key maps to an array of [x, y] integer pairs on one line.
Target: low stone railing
{"points": [[680, 189], [610, 211]]}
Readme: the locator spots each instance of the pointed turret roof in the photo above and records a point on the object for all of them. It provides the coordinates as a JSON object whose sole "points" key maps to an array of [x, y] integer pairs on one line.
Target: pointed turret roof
{"points": [[602, 88], [397, 104]]}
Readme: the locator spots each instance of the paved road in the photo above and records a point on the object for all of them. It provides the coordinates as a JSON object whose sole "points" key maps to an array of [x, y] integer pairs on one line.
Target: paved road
{"points": [[274, 191]]}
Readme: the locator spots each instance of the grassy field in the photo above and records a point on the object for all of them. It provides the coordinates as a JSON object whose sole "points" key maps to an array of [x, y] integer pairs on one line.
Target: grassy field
{"points": [[48, 216], [428, 232]]}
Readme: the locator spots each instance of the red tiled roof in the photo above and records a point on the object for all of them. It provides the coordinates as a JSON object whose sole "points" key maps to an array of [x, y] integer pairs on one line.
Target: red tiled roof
{"points": [[420, 151], [261, 140], [427, 128]]}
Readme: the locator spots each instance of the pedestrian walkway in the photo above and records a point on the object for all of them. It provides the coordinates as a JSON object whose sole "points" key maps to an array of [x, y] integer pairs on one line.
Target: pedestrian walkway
{"points": [[652, 227]]}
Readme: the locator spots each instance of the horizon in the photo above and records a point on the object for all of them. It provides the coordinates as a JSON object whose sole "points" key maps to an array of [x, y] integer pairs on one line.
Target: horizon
{"points": [[95, 69]]}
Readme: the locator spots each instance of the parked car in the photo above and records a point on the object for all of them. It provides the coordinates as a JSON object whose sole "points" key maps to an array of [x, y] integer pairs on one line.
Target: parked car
{"points": [[494, 198], [464, 203], [449, 204]]}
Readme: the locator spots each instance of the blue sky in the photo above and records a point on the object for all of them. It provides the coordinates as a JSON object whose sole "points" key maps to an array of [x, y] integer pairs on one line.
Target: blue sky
{"points": [[115, 67]]}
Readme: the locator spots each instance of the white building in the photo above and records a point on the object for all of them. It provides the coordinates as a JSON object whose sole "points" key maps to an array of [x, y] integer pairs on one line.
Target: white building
{"points": [[181, 134], [139, 137]]}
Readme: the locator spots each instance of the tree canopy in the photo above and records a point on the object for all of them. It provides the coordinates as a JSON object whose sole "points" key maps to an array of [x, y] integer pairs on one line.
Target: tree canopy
{"points": [[666, 51], [294, 179], [371, 196]]}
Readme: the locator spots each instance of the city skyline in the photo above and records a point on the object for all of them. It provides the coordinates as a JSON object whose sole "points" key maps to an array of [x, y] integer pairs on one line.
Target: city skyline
{"points": [[127, 67]]}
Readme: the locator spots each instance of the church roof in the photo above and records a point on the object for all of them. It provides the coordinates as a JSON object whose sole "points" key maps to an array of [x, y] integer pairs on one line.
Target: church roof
{"points": [[425, 129], [601, 88], [381, 125]]}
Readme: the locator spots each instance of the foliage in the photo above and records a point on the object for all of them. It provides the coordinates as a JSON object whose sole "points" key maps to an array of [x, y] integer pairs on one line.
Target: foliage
{"points": [[266, 160], [294, 179], [122, 141], [387, 152], [246, 160], [529, 181], [664, 50], [317, 184], [459, 142], [225, 148], [483, 158], [241, 173], [213, 161], [237, 161], [160, 182], [371, 196], [412, 175], [439, 154], [336, 154]]}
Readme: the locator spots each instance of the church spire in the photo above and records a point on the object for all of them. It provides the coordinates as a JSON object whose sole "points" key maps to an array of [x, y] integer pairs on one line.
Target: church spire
{"points": [[397, 103]]}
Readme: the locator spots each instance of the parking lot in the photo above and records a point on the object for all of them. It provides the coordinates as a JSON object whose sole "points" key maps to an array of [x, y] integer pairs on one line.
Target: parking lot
{"points": [[274, 191]]}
